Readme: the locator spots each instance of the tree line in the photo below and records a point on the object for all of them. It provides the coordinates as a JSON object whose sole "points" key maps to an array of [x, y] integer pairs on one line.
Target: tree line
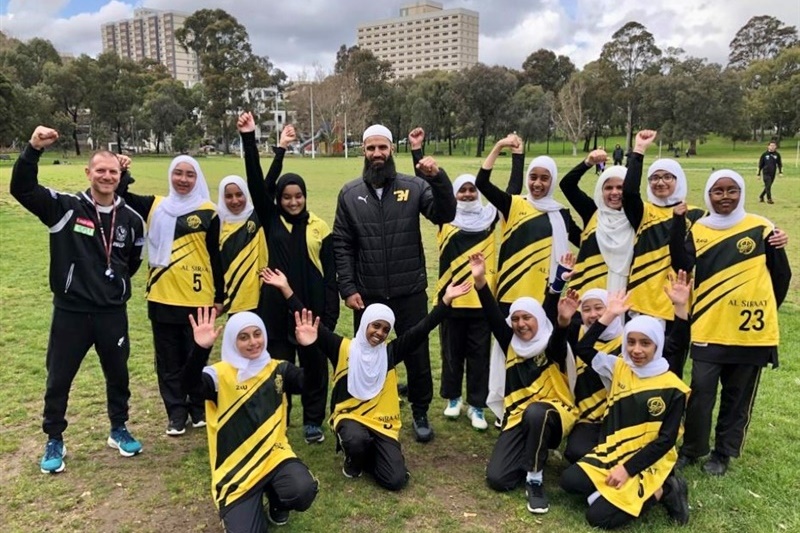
{"points": [[634, 83]]}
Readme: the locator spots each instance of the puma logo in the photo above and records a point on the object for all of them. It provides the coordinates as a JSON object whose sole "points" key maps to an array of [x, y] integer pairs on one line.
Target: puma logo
{"points": [[364, 198]]}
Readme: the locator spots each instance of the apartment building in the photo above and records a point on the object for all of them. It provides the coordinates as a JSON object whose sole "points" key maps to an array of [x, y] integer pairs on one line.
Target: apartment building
{"points": [[151, 34], [424, 37]]}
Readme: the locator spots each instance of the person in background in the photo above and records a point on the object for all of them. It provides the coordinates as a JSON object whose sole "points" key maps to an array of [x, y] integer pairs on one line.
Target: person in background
{"points": [[768, 163]]}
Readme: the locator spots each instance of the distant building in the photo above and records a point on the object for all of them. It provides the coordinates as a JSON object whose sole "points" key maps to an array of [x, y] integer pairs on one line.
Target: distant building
{"points": [[424, 37], [151, 34]]}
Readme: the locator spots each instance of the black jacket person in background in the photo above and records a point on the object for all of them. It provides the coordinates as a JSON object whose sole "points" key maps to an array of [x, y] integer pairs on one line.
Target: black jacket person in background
{"points": [[768, 163]]}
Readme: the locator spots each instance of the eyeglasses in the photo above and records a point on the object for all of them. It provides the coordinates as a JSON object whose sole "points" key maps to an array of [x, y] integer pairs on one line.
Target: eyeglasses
{"points": [[666, 178], [732, 192]]}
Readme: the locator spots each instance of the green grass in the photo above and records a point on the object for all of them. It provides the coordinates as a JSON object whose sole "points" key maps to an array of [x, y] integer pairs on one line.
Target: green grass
{"points": [[167, 487]]}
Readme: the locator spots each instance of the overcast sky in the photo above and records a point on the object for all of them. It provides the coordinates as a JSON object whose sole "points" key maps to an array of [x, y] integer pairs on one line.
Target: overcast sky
{"points": [[296, 35]]}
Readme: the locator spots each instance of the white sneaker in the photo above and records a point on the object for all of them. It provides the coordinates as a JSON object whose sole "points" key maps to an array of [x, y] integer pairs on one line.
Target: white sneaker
{"points": [[453, 409], [475, 415]]}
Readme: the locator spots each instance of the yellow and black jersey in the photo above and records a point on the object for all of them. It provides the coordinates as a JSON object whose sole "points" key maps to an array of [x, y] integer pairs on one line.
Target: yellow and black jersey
{"points": [[651, 261], [590, 393], [243, 252], [591, 270], [636, 409], [455, 247], [523, 266], [535, 379], [381, 413], [246, 430], [187, 281], [734, 302]]}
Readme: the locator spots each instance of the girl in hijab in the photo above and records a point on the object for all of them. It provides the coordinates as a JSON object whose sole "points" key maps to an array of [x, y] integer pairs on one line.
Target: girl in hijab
{"points": [[536, 230], [242, 245], [606, 248], [365, 404], [298, 243], [527, 390], [629, 470], [740, 281], [185, 273], [245, 395]]}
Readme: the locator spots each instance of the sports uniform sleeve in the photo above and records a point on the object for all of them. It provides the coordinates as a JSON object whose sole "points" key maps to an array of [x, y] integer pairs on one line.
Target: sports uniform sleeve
{"points": [[579, 200], [676, 345], [556, 350], [779, 162], [667, 436], [585, 347], [497, 322], [293, 377], [26, 189], [194, 380], [681, 246], [438, 203], [217, 272], [632, 202], [344, 248], [419, 333], [416, 157], [573, 230], [137, 251], [761, 162], [140, 203], [517, 176], [331, 313], [263, 202], [779, 271], [497, 197]]}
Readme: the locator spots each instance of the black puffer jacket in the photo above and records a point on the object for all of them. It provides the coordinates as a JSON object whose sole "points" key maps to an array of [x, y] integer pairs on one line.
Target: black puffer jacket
{"points": [[377, 242]]}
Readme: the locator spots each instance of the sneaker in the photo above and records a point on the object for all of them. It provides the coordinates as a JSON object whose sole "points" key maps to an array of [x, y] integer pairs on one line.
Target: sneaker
{"points": [[176, 427], [769, 201], [350, 470], [537, 501], [279, 517], [313, 434], [684, 461], [761, 199], [453, 408], [676, 499], [716, 465], [199, 421], [475, 414], [53, 459], [422, 429], [121, 439]]}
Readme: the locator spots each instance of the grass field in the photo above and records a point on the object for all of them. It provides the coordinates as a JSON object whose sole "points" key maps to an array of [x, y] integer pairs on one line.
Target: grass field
{"points": [[167, 487]]}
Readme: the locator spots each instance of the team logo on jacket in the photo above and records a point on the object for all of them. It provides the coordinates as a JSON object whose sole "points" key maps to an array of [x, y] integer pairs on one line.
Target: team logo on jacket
{"points": [[251, 227], [656, 406], [84, 226], [193, 221], [279, 384], [120, 233], [402, 196], [746, 246]]}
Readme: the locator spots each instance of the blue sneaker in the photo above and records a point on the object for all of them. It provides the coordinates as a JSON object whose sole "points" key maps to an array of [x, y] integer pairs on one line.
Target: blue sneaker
{"points": [[53, 460], [120, 439], [313, 434]]}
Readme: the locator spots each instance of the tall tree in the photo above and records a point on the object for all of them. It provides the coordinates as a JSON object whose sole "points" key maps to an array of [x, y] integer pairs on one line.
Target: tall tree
{"points": [[71, 85], [530, 113], [569, 114], [547, 70], [118, 90], [165, 108], [633, 51], [28, 61], [762, 37]]}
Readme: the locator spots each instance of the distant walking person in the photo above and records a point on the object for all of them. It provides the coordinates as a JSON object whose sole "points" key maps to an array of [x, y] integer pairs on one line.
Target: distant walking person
{"points": [[767, 164], [618, 155], [96, 243]]}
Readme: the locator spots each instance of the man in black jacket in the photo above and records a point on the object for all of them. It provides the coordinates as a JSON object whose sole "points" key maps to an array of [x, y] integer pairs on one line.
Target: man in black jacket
{"points": [[96, 244], [378, 249], [768, 163]]}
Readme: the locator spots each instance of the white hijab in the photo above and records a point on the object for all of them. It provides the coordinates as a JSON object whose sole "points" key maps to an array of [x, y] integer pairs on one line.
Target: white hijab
{"points": [[162, 226], [681, 188], [614, 233], [224, 213], [604, 363], [524, 349], [614, 329], [247, 368], [472, 216], [553, 209], [714, 220], [367, 365]]}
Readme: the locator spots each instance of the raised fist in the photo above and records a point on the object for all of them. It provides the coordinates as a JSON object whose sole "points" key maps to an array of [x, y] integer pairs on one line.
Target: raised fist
{"points": [[416, 138], [246, 123], [43, 137]]}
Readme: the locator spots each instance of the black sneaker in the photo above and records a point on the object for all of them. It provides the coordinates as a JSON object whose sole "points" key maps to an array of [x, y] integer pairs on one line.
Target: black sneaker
{"points": [[278, 517], [676, 499], [684, 461], [537, 500], [176, 427], [717, 464], [350, 470], [198, 421], [423, 431], [313, 434]]}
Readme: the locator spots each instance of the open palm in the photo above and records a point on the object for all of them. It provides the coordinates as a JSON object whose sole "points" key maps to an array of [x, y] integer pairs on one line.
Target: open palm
{"points": [[306, 328], [203, 330]]}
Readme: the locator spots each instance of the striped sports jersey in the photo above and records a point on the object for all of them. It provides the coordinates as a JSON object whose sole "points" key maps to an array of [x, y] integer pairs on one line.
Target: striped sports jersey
{"points": [[243, 252], [455, 247]]}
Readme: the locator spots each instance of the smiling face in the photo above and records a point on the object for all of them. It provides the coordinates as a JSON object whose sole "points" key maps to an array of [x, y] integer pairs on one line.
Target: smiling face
{"points": [[292, 199], [235, 200], [591, 310], [183, 178], [524, 325], [640, 348], [103, 173], [612, 193], [662, 184], [377, 332], [539, 182], [725, 196], [377, 150], [250, 342], [467, 193]]}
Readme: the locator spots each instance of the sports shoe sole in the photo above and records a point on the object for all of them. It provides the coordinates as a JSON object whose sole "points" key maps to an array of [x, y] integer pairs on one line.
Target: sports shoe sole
{"points": [[175, 432], [538, 510], [200, 424], [315, 440], [350, 476], [60, 468], [113, 444]]}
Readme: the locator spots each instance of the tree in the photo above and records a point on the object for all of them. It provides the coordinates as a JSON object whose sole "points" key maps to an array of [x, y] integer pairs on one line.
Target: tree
{"points": [[569, 114], [772, 91], [117, 91], [530, 113], [70, 86], [28, 61], [164, 109], [371, 75], [633, 51], [547, 70], [762, 37]]}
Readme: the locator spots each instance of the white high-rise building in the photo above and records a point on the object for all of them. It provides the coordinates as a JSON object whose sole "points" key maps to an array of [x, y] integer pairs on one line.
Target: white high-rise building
{"points": [[424, 37], [151, 34]]}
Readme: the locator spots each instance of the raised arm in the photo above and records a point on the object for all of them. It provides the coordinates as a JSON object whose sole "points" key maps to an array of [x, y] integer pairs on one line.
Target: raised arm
{"points": [[497, 322], [263, 205], [579, 200], [517, 176], [632, 202], [416, 138], [25, 185], [193, 379], [217, 272], [496, 196], [437, 203]]}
